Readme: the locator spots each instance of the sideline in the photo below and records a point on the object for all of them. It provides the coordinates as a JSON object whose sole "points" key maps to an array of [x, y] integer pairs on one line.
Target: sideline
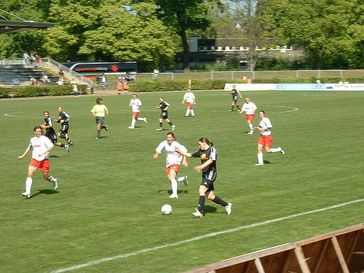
{"points": [[198, 238]]}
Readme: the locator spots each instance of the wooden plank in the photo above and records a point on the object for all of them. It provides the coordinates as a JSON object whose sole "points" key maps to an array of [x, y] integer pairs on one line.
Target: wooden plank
{"points": [[340, 255], [322, 255], [301, 260], [259, 265]]}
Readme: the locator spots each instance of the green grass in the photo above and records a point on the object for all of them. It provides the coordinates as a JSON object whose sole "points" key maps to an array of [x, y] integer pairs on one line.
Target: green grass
{"points": [[111, 189]]}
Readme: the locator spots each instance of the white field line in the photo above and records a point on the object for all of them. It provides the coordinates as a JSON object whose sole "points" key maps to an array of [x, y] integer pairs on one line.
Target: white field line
{"points": [[202, 237]]}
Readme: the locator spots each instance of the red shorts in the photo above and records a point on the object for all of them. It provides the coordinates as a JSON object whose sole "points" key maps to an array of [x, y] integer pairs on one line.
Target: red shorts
{"points": [[174, 167], [189, 105], [249, 118], [41, 165], [266, 141], [135, 115]]}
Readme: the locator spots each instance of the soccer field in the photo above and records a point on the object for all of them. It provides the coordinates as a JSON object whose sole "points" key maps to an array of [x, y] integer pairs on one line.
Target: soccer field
{"points": [[105, 216]]}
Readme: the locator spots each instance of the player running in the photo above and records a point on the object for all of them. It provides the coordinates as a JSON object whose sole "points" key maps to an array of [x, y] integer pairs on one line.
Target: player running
{"points": [[173, 161], [163, 106], [249, 108], [100, 111], [135, 104], [235, 93], [190, 99], [208, 156], [63, 119], [50, 132], [265, 139], [40, 146]]}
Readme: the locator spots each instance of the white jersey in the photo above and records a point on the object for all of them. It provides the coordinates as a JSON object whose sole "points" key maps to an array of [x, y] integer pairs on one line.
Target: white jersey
{"points": [[189, 97], [39, 145], [265, 124], [249, 108], [172, 156], [135, 105]]}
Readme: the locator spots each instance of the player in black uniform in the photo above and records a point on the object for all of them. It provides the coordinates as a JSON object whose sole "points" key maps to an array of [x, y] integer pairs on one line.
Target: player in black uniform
{"points": [[163, 106], [49, 131], [63, 119], [235, 93], [208, 155]]}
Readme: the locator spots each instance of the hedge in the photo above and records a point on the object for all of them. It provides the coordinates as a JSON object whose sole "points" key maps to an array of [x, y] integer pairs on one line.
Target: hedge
{"points": [[43, 90]]}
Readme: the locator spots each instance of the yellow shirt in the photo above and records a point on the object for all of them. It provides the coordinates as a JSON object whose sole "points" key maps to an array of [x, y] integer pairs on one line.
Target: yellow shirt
{"points": [[99, 110]]}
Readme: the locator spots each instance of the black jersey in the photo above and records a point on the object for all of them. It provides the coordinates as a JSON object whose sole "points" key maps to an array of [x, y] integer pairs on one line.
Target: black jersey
{"points": [[164, 106], [63, 115], [164, 109], [205, 155], [49, 132], [234, 93]]}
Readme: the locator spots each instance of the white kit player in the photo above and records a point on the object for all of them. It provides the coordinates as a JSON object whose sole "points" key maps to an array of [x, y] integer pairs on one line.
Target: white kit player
{"points": [[190, 99], [40, 146], [249, 108], [265, 139], [135, 104], [173, 161]]}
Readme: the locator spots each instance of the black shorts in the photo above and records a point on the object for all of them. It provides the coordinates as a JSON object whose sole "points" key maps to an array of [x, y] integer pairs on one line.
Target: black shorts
{"points": [[164, 115], [64, 129], [208, 180], [52, 137]]}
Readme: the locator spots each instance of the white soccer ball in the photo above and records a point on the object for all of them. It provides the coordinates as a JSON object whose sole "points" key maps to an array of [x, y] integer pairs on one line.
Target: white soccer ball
{"points": [[166, 209]]}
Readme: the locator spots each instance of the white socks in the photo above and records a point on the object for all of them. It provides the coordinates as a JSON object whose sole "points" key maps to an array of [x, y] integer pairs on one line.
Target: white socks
{"points": [[181, 179], [174, 186], [260, 158], [133, 121], [275, 150], [28, 184]]}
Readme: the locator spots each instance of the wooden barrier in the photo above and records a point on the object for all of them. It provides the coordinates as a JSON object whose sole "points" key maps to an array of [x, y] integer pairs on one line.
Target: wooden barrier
{"points": [[335, 252]]}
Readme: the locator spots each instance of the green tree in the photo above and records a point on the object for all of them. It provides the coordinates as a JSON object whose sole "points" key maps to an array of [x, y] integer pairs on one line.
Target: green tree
{"points": [[185, 17], [109, 30], [330, 31]]}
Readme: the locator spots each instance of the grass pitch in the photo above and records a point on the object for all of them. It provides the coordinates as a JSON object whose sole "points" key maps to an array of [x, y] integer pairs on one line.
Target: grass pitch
{"points": [[106, 217]]}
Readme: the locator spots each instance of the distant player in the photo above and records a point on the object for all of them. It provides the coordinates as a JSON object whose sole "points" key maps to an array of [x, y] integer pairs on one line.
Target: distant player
{"points": [[40, 146], [50, 132], [265, 139], [163, 106], [135, 104], [249, 108], [235, 94], [190, 99], [63, 119], [173, 161], [100, 111]]}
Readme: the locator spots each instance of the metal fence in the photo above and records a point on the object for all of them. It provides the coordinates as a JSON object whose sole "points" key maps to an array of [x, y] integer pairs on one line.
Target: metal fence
{"points": [[239, 75]]}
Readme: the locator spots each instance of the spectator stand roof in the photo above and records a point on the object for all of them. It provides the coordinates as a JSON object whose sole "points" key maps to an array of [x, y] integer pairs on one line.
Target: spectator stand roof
{"points": [[15, 26]]}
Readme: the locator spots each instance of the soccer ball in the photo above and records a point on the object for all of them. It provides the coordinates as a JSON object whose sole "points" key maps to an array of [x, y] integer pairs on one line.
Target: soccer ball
{"points": [[166, 209]]}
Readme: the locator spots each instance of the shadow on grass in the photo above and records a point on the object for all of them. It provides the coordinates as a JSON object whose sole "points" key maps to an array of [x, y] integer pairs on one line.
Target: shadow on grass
{"points": [[170, 191], [46, 191]]}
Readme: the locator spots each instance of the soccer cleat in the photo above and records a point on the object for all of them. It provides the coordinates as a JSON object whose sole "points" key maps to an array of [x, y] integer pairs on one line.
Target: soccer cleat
{"points": [[131, 127], [54, 182], [185, 180], [259, 164], [282, 151], [173, 196], [26, 194], [251, 132], [106, 128], [228, 208], [197, 213], [159, 129], [173, 127], [67, 147], [145, 120]]}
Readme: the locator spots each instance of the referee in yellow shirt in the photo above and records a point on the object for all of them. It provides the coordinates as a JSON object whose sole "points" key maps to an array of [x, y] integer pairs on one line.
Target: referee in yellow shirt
{"points": [[99, 111]]}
